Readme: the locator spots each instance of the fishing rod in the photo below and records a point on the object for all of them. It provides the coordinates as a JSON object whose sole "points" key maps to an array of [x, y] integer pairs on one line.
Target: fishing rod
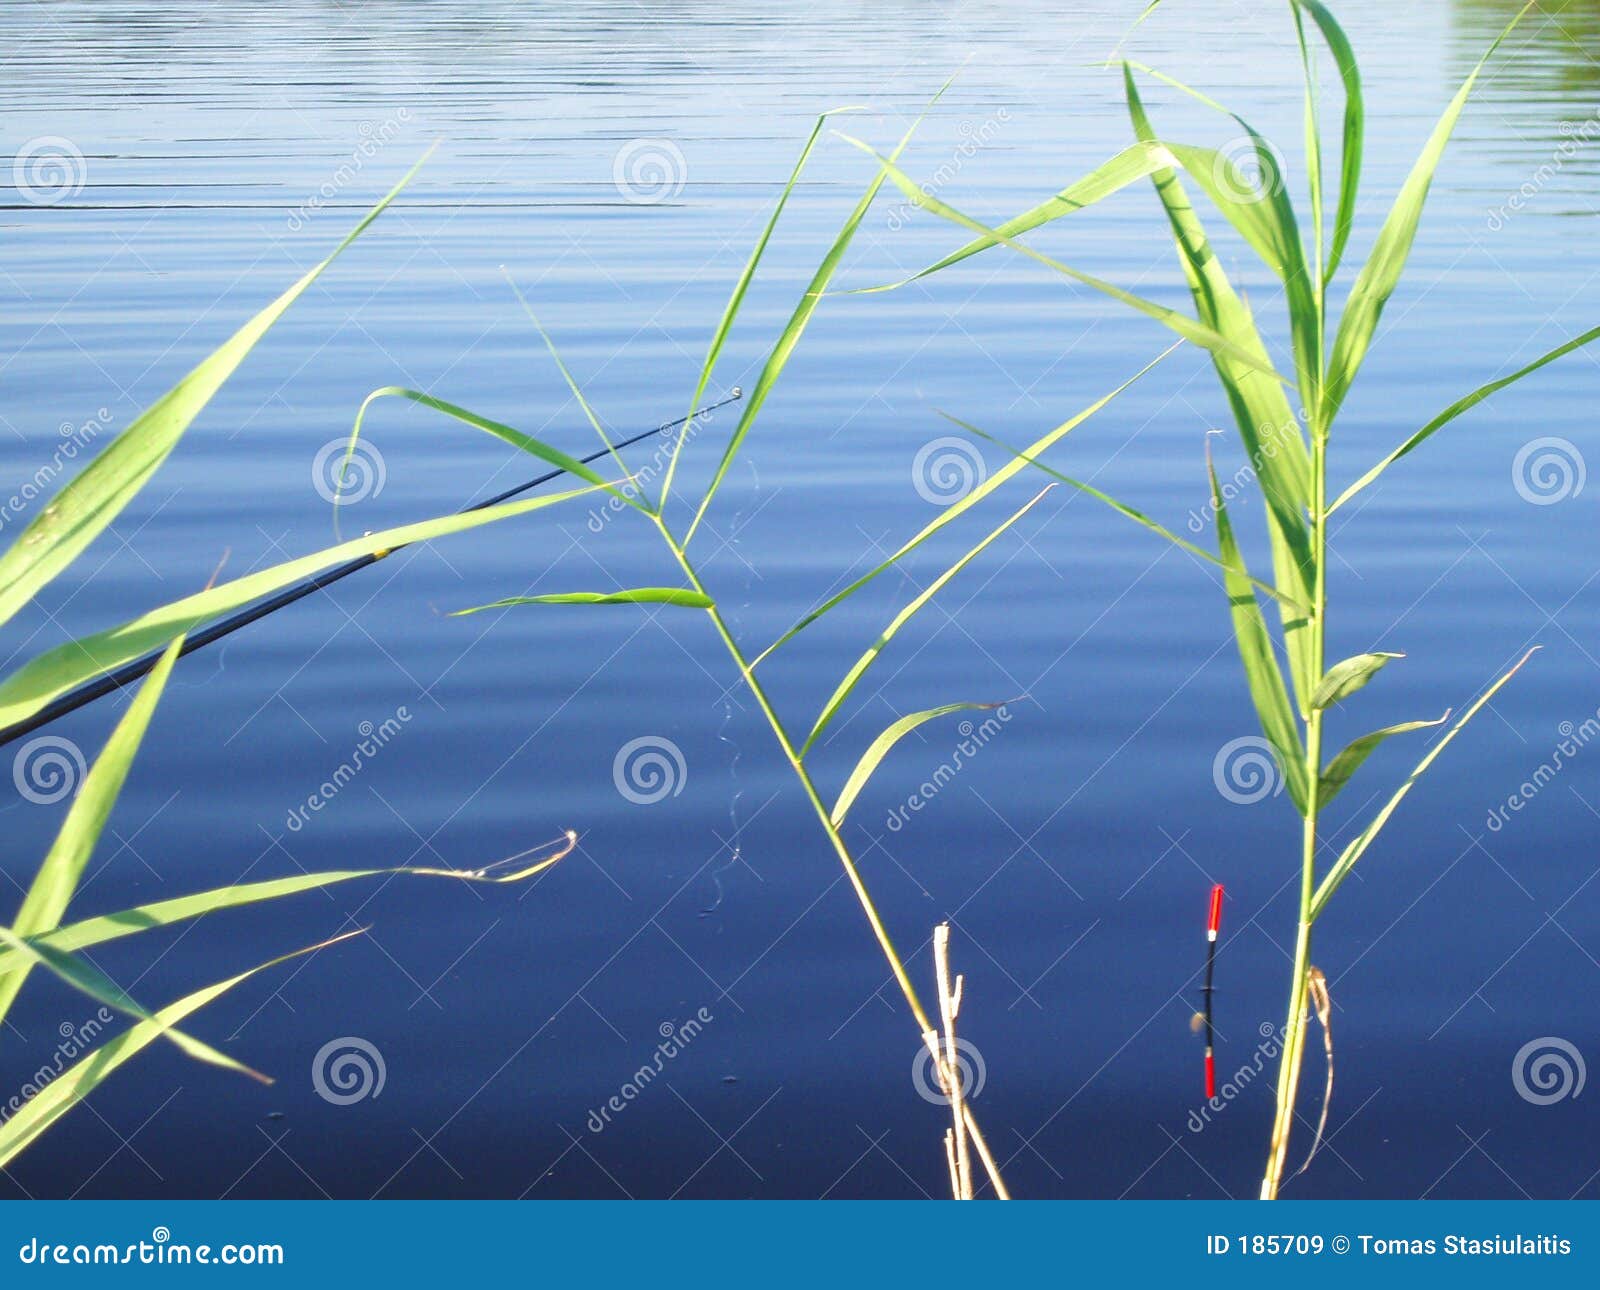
{"points": [[128, 673]]}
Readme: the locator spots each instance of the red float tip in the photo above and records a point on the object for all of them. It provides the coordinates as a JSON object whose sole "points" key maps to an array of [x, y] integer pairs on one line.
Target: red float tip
{"points": [[1214, 921], [1211, 1075]]}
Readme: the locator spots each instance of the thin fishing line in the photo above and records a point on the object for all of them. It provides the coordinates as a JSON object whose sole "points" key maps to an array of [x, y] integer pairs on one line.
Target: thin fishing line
{"points": [[128, 673]]}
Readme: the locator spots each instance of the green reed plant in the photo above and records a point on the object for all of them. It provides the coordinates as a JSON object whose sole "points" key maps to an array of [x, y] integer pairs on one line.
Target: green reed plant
{"points": [[78, 513], [1289, 453], [796, 741]]}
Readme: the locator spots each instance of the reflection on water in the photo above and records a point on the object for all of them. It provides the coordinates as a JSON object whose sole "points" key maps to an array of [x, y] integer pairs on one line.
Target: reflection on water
{"points": [[222, 150]]}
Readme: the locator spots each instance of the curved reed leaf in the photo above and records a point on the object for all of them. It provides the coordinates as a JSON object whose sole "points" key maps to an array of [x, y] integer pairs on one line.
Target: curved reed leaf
{"points": [[1338, 771], [1354, 129], [783, 350], [80, 511], [852, 678], [87, 979], [54, 672], [685, 596], [53, 886], [74, 1084], [879, 748], [506, 434], [1347, 676], [1358, 846], [1458, 407], [959, 508], [166, 913], [1197, 332], [1261, 671], [1381, 273]]}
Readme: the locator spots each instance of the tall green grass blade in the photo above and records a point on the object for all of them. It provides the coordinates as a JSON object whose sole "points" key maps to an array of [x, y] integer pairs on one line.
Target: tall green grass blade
{"points": [[53, 886], [959, 508], [1267, 690], [1267, 425], [1458, 407], [59, 1096], [1354, 130], [506, 434], [1358, 846], [852, 678], [82, 510], [1338, 771], [879, 748], [87, 979], [684, 596], [799, 320], [1381, 274], [1347, 676], [56, 671], [1138, 517], [736, 300], [1313, 144], [1198, 333], [180, 909]]}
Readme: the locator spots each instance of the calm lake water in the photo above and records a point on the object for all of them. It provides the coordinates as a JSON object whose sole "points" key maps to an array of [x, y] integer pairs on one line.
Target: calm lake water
{"points": [[225, 147]]}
